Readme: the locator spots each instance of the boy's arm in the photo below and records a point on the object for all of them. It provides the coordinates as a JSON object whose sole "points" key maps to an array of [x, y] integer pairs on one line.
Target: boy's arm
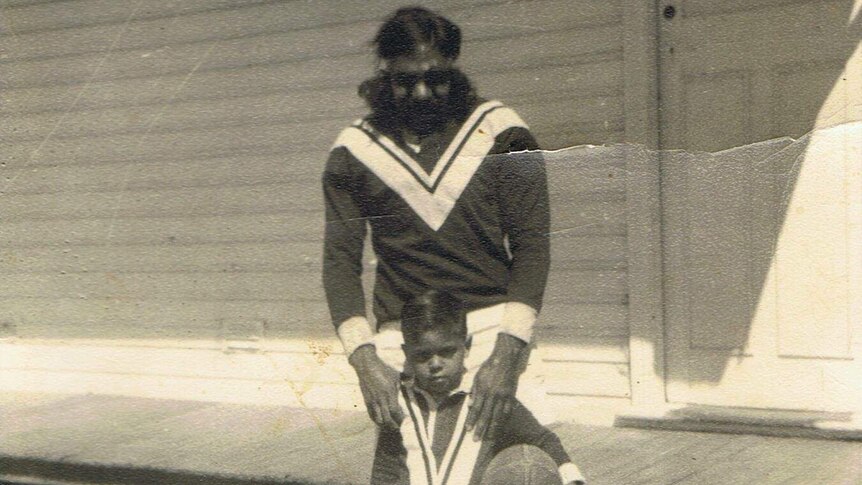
{"points": [[521, 427], [390, 467]]}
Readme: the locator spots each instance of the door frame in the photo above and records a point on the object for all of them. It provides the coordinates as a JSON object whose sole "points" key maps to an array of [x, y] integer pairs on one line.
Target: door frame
{"points": [[643, 203]]}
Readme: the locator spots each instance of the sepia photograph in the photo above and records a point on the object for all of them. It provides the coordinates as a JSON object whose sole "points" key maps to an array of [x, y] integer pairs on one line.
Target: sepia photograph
{"points": [[477, 242]]}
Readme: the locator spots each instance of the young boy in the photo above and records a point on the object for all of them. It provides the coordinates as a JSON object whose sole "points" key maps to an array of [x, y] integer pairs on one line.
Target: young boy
{"points": [[432, 446]]}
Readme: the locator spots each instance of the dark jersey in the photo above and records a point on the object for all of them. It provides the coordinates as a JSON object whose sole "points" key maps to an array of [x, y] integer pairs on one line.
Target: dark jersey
{"points": [[462, 214]]}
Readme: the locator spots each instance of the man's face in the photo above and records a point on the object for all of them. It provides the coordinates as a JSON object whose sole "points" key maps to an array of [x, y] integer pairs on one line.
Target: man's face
{"points": [[437, 361], [421, 86]]}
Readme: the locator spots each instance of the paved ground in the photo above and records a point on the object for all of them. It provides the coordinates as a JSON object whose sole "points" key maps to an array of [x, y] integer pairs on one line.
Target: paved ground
{"points": [[102, 439]]}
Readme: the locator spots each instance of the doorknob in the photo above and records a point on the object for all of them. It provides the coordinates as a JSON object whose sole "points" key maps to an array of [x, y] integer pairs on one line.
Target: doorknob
{"points": [[669, 12]]}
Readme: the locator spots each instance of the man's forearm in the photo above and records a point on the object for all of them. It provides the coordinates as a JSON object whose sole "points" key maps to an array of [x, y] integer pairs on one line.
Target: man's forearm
{"points": [[527, 224], [343, 242]]}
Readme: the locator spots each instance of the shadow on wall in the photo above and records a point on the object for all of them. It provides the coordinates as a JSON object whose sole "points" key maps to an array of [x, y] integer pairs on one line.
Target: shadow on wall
{"points": [[757, 252]]}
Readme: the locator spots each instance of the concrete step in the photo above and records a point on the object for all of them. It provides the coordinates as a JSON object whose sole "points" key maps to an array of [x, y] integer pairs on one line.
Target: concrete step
{"points": [[719, 419]]}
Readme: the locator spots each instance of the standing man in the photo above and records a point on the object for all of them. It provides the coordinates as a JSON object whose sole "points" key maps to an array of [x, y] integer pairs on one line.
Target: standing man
{"points": [[429, 172]]}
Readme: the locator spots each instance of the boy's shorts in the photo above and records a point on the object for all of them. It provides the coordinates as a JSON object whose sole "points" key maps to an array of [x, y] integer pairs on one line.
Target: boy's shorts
{"points": [[483, 325]]}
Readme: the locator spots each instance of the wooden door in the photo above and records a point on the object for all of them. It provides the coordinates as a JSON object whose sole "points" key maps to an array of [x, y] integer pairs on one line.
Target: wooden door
{"points": [[762, 240]]}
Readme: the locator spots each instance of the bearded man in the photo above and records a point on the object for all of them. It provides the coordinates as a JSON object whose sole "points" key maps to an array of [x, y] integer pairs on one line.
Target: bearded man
{"points": [[431, 172]]}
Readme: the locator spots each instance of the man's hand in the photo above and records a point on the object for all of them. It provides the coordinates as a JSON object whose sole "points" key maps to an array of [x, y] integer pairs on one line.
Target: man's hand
{"points": [[494, 387], [379, 384]]}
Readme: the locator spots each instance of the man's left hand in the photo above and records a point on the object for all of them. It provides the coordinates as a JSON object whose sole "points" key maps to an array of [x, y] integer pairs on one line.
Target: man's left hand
{"points": [[494, 387]]}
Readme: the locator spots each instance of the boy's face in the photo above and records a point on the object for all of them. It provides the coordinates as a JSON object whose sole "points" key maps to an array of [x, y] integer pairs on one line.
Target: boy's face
{"points": [[437, 361]]}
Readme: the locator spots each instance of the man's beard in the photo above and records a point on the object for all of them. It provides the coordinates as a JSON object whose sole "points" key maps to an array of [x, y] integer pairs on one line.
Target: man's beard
{"points": [[421, 117], [426, 116]]}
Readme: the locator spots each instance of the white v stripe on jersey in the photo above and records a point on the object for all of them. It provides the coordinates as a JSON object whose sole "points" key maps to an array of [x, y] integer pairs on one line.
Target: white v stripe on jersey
{"points": [[432, 196], [430, 180], [420, 461], [461, 452]]}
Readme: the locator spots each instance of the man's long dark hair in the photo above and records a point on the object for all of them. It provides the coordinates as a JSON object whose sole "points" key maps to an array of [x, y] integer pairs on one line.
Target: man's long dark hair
{"points": [[403, 32], [401, 35]]}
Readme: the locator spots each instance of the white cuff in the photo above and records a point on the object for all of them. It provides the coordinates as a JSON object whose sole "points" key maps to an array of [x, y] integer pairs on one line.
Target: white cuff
{"points": [[570, 474], [518, 320], [354, 333]]}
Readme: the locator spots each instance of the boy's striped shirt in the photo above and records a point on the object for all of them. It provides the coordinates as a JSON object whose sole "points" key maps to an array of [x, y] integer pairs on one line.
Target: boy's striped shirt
{"points": [[433, 447]]}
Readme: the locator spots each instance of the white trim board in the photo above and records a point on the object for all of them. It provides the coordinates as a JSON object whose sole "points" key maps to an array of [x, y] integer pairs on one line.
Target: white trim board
{"points": [[289, 372]]}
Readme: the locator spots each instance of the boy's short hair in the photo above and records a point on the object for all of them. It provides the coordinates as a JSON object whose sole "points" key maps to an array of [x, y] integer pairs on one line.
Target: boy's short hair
{"points": [[433, 310]]}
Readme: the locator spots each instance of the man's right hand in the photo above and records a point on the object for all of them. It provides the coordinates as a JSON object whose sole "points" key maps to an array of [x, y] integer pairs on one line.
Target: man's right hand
{"points": [[379, 384]]}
